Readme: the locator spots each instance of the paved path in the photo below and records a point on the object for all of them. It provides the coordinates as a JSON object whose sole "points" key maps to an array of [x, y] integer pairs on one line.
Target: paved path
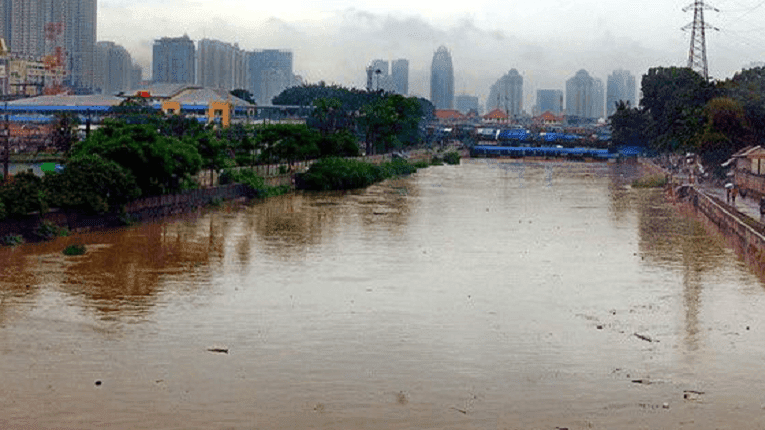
{"points": [[747, 206]]}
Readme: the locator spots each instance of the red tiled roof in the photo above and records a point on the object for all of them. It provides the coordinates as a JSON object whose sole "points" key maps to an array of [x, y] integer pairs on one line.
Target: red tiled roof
{"points": [[449, 114], [496, 114]]}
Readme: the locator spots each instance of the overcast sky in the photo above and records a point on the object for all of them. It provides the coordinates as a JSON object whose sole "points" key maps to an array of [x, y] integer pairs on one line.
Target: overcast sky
{"points": [[546, 40]]}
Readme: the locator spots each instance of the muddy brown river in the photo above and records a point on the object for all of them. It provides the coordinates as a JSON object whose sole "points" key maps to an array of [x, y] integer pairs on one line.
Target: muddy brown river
{"points": [[491, 295]]}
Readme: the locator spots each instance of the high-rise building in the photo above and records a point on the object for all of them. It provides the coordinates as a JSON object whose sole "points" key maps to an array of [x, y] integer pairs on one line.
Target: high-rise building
{"points": [[507, 94], [465, 103], [620, 86], [136, 75], [50, 27], [113, 66], [220, 65], [399, 75], [598, 98], [79, 28], [442, 80], [269, 73], [550, 100], [173, 60], [580, 91]]}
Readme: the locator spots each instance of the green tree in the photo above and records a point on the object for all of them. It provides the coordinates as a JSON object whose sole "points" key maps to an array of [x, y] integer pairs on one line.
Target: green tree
{"points": [[287, 143], [748, 89], [725, 132], [160, 164], [243, 94], [91, 184], [629, 125], [674, 97], [22, 194]]}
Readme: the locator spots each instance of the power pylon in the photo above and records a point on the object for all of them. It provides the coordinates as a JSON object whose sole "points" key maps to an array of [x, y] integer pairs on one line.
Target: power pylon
{"points": [[697, 58]]}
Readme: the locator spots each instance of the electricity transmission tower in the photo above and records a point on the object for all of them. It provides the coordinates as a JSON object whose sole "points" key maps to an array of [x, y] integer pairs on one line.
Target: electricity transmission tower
{"points": [[697, 58]]}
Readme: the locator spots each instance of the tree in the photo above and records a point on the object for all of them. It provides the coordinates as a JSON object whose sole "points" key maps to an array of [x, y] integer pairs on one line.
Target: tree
{"points": [[159, 164], [22, 194], [725, 132], [629, 125], [243, 94], [748, 89], [674, 98], [91, 184], [287, 142]]}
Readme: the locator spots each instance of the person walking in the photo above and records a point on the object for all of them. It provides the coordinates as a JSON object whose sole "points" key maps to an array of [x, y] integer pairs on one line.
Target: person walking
{"points": [[733, 194]]}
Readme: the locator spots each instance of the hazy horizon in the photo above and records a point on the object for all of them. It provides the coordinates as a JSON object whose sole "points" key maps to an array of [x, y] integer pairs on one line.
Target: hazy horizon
{"points": [[547, 41]]}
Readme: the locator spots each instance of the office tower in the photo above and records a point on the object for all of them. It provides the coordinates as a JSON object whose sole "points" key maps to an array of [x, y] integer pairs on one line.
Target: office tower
{"points": [[5, 21], [136, 75], [378, 76], [220, 65], [550, 100], [507, 94], [580, 91], [465, 103], [113, 69], [620, 87], [442, 80], [400, 76], [598, 98], [270, 73], [80, 41], [173, 60]]}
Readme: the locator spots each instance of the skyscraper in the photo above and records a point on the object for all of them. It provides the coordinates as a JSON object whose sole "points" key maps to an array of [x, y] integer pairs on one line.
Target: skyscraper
{"points": [[550, 100], [620, 86], [400, 76], [270, 73], [442, 80], [580, 91], [598, 98], [378, 78], [507, 94], [113, 69], [39, 27], [220, 65], [173, 60]]}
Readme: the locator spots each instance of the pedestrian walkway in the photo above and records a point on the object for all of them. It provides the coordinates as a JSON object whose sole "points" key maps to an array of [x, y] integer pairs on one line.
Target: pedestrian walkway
{"points": [[747, 206]]}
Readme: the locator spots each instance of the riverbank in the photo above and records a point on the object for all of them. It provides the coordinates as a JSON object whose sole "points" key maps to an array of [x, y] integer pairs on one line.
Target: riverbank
{"points": [[739, 221]]}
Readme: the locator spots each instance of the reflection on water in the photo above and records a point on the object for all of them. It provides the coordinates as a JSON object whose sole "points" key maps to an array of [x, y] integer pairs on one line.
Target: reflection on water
{"points": [[495, 294]]}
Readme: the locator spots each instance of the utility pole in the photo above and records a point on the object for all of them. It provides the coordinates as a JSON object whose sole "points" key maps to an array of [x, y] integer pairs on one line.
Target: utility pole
{"points": [[7, 146], [697, 57]]}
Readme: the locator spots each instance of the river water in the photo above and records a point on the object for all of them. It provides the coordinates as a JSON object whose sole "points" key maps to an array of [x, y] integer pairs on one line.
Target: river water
{"points": [[490, 295]]}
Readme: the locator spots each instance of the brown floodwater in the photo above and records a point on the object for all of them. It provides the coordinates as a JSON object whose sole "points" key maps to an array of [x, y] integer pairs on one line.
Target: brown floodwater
{"points": [[491, 295]]}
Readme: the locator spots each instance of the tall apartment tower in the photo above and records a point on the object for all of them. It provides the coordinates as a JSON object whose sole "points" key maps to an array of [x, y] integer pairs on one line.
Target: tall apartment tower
{"points": [[442, 80], [220, 65], [620, 86], [580, 91], [598, 99], [399, 75], [173, 60], [269, 73], [113, 69], [38, 27], [507, 94], [550, 101], [136, 75], [379, 77]]}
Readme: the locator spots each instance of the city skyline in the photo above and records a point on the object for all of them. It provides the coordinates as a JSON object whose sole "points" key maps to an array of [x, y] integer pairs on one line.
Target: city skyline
{"points": [[329, 39]]}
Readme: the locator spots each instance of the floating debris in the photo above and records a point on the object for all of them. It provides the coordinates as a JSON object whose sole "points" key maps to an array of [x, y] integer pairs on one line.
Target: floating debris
{"points": [[644, 337], [218, 350]]}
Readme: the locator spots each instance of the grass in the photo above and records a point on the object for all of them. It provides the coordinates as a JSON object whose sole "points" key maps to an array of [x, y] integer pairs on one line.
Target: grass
{"points": [[12, 240], [651, 181], [256, 183]]}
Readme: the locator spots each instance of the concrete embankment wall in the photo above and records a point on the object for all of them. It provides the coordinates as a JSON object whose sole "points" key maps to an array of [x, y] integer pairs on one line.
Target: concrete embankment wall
{"points": [[741, 232]]}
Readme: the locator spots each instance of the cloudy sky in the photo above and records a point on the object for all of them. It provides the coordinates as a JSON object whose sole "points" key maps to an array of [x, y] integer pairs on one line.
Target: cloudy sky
{"points": [[546, 40]]}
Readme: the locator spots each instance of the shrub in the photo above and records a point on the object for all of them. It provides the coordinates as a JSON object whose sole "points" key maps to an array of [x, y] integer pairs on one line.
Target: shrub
{"points": [[23, 194], [421, 164], [12, 240], [452, 157], [75, 249], [343, 174], [47, 230]]}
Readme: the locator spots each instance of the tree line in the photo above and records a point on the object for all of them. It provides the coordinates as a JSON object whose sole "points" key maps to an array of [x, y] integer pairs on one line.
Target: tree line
{"points": [[140, 152], [680, 111]]}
